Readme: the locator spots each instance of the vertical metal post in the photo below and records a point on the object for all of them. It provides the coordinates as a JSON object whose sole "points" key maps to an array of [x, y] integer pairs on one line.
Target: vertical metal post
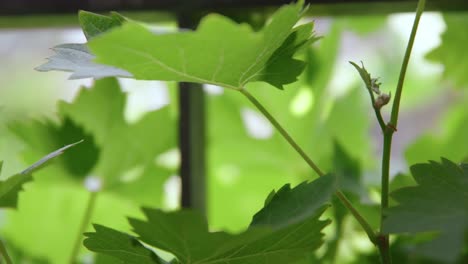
{"points": [[192, 136]]}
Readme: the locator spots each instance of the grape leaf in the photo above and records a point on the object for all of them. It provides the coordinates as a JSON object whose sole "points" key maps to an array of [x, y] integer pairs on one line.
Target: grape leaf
{"points": [[10, 188], [437, 204], [185, 233], [452, 52], [77, 59], [288, 206], [42, 136], [95, 24], [100, 111], [239, 57], [113, 147], [124, 247]]}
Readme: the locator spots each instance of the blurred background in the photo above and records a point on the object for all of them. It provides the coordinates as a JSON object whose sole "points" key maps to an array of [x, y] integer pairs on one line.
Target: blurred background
{"points": [[327, 111]]}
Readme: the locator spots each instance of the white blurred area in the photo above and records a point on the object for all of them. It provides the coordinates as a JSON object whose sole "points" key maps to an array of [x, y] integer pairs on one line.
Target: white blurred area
{"points": [[23, 90]]}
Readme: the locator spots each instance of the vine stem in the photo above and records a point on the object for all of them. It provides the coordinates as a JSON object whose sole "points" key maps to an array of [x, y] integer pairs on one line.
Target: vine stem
{"points": [[384, 241], [404, 66], [4, 253], [84, 223], [365, 225]]}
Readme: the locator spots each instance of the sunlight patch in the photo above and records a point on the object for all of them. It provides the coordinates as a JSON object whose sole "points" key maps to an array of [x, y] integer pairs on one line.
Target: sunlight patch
{"points": [[256, 125], [302, 102], [142, 97], [169, 159], [172, 194], [213, 89], [93, 183], [428, 37], [132, 174]]}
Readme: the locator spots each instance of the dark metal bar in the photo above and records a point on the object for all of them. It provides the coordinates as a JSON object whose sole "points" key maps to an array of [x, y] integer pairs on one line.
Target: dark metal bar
{"points": [[192, 136], [29, 7]]}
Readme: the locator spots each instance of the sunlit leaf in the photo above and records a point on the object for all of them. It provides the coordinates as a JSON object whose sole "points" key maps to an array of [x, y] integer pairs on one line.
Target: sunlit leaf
{"points": [[239, 57]]}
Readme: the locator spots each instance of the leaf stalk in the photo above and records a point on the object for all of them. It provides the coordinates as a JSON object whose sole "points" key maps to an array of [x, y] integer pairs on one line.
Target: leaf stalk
{"points": [[362, 221], [84, 223], [4, 253]]}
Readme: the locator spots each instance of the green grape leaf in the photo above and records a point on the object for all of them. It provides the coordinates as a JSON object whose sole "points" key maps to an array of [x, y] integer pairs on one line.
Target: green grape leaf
{"points": [[185, 234], [452, 51], [122, 154], [77, 59], [437, 204], [10, 188], [100, 111], [41, 137], [239, 57], [121, 246], [95, 24], [288, 206]]}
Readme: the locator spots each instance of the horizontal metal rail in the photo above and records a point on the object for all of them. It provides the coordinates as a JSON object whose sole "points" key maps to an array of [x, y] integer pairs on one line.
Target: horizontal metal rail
{"points": [[30, 7]]}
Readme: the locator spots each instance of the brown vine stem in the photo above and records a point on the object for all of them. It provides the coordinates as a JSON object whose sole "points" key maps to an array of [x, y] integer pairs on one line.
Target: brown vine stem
{"points": [[384, 241], [362, 221]]}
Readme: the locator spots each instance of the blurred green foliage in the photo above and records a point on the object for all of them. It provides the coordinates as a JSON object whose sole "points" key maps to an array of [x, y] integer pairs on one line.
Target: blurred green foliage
{"points": [[333, 126]]}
